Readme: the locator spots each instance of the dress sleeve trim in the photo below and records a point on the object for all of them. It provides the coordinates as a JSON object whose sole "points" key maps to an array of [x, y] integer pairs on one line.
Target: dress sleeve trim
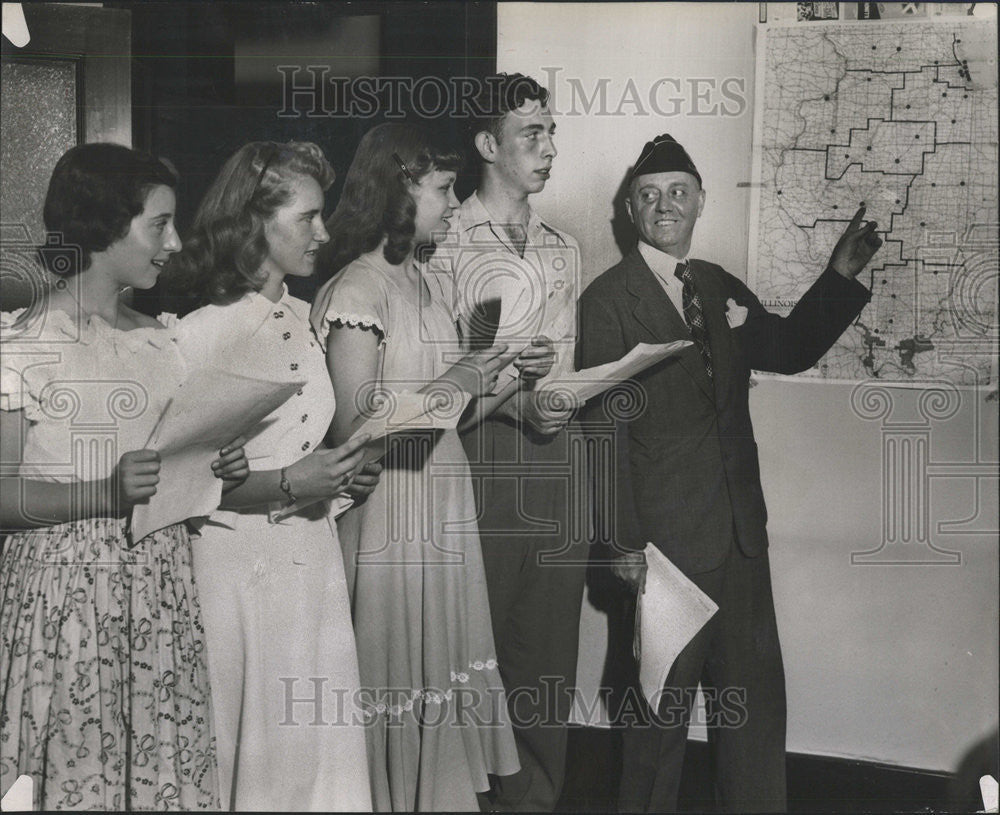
{"points": [[333, 318]]}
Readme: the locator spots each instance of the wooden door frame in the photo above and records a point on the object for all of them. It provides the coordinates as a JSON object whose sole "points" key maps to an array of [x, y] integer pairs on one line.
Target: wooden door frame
{"points": [[99, 40]]}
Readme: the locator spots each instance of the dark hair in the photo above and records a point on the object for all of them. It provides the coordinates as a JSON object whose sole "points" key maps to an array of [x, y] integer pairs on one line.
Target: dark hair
{"points": [[94, 193], [502, 93], [221, 260], [376, 203]]}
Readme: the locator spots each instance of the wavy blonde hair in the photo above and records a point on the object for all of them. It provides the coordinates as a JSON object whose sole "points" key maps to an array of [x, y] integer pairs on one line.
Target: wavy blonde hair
{"points": [[221, 260]]}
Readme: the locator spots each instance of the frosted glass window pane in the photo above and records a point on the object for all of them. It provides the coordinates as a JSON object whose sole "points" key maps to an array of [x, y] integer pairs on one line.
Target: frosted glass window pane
{"points": [[38, 111]]}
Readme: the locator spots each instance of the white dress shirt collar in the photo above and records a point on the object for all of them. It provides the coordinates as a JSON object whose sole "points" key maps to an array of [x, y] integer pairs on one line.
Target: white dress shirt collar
{"points": [[663, 266]]}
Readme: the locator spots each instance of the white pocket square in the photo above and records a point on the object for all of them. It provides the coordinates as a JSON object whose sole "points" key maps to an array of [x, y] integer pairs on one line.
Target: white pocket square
{"points": [[736, 314]]}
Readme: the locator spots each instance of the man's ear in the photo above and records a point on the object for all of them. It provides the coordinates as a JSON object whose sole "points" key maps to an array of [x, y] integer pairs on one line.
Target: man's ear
{"points": [[701, 201], [486, 144], [628, 207]]}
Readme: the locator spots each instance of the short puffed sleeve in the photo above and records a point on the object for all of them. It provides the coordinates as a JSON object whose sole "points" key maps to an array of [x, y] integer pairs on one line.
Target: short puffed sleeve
{"points": [[20, 375], [357, 298]]}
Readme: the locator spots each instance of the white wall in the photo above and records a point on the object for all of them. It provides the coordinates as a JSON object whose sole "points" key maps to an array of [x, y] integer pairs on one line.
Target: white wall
{"points": [[891, 663], [586, 43]]}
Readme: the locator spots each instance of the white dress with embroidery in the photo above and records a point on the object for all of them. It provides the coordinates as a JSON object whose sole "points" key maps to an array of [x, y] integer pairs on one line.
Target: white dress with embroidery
{"points": [[280, 642], [437, 708], [104, 690]]}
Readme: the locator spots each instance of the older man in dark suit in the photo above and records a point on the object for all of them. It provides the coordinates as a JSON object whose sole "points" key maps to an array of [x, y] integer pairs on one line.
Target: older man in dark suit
{"points": [[686, 475]]}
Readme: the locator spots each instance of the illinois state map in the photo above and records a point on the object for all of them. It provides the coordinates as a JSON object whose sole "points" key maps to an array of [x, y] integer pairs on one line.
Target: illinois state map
{"points": [[900, 117]]}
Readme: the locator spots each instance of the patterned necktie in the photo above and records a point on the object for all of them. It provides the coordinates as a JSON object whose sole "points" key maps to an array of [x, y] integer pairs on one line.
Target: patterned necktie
{"points": [[694, 314]]}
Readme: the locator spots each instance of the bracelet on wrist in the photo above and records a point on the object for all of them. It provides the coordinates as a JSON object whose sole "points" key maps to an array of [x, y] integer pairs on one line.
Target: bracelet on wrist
{"points": [[286, 486]]}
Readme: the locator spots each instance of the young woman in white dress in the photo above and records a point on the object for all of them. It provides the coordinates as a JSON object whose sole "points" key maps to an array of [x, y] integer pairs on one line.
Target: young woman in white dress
{"points": [[280, 641]]}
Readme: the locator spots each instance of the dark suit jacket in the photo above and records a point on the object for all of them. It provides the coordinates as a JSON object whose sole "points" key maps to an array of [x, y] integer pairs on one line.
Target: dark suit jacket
{"points": [[686, 475]]}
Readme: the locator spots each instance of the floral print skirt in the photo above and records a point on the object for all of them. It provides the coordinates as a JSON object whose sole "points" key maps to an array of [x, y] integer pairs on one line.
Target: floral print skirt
{"points": [[104, 694]]}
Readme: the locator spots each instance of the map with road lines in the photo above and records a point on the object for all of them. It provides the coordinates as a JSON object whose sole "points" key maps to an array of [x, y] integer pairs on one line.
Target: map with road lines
{"points": [[901, 117]]}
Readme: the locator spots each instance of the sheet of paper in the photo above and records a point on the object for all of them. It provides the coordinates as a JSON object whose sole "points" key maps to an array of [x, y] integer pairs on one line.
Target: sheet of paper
{"points": [[560, 327], [588, 383], [339, 504], [671, 611], [988, 789], [529, 307], [404, 411], [512, 328], [208, 410], [407, 411]]}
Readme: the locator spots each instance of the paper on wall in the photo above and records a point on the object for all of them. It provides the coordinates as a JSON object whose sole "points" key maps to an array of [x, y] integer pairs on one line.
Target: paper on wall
{"points": [[671, 611], [209, 409]]}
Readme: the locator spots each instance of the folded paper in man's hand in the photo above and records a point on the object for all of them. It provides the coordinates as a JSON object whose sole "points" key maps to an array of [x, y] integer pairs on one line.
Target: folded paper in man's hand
{"points": [[588, 383], [668, 615]]}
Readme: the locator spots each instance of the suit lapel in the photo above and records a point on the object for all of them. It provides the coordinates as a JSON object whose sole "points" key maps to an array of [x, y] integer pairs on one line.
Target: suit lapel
{"points": [[653, 310]]}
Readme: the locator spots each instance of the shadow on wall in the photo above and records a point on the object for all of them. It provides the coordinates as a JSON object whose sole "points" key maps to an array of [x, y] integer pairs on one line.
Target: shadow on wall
{"points": [[606, 594], [621, 225], [964, 794]]}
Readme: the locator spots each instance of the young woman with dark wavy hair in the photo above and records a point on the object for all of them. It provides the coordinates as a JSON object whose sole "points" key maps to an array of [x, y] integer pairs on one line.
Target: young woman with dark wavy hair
{"points": [[435, 702], [375, 210], [104, 690], [276, 607]]}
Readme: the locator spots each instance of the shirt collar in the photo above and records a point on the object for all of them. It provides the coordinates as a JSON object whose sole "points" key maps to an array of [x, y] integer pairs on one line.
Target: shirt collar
{"points": [[474, 213], [263, 307], [300, 308], [662, 264]]}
